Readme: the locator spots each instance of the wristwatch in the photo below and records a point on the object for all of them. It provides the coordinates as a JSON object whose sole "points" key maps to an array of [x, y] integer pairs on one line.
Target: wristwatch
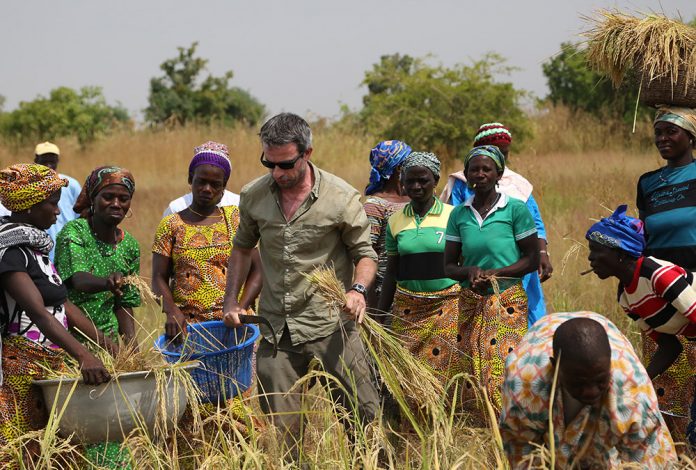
{"points": [[360, 289]]}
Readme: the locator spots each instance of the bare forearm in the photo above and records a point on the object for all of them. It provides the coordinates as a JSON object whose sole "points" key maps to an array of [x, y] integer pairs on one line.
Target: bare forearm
{"points": [[254, 282], [238, 267], [88, 283], [160, 287], [668, 350], [78, 321], [126, 322], [524, 265], [365, 271]]}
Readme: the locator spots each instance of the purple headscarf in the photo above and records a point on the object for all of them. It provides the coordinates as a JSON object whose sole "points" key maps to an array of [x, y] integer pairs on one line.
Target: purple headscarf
{"points": [[212, 153]]}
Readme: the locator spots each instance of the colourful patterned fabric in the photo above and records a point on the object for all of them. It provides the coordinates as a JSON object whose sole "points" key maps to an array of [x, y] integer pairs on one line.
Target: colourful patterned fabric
{"points": [[21, 403], [212, 153], [619, 231], [490, 151], [378, 211], [675, 386], [98, 179], [492, 133], [425, 159], [626, 428], [490, 328], [79, 250], [682, 117], [199, 255], [426, 323], [384, 159], [26, 184]]}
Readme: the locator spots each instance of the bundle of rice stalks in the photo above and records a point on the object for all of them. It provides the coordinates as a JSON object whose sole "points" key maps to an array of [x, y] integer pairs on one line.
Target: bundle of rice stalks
{"points": [[654, 48], [328, 286], [408, 379], [143, 286]]}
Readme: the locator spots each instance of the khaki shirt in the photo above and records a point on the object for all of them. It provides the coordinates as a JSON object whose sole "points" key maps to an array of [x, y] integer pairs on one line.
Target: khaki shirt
{"points": [[329, 227]]}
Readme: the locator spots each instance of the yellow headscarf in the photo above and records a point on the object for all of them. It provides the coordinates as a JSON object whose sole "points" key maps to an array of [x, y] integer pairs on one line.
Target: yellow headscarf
{"points": [[25, 184]]}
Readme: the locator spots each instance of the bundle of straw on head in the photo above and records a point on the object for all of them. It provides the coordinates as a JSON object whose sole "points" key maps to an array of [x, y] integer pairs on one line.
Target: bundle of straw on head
{"points": [[656, 46]]}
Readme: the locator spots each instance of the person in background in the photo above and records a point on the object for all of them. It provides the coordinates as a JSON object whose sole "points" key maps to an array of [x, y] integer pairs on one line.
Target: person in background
{"points": [[668, 210], [384, 197], [302, 217], [426, 303], [34, 307], [48, 154], [94, 254], [514, 185], [491, 244], [603, 409], [658, 295]]}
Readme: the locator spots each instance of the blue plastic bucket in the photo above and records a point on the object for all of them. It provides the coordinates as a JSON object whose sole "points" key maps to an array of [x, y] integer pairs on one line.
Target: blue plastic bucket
{"points": [[225, 355]]}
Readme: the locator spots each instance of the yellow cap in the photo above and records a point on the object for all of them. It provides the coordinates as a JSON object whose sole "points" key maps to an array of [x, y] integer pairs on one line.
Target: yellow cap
{"points": [[46, 147]]}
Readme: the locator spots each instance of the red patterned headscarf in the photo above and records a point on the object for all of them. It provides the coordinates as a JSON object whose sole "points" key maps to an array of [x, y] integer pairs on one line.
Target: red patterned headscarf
{"points": [[98, 179]]}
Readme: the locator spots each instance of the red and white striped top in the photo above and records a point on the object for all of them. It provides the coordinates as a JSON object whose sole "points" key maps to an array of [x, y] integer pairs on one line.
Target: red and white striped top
{"points": [[661, 298]]}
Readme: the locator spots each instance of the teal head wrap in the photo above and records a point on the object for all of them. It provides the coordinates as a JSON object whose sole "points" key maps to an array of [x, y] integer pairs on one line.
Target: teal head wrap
{"points": [[490, 151]]}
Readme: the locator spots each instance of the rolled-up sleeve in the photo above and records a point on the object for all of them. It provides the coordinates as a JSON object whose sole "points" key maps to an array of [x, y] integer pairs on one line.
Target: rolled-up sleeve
{"points": [[247, 235], [355, 231]]}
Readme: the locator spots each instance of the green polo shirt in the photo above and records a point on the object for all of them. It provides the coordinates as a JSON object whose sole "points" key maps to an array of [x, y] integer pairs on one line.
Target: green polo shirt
{"points": [[330, 227], [490, 243], [420, 245]]}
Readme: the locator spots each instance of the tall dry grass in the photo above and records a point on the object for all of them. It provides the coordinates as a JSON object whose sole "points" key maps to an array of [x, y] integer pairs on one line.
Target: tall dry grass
{"points": [[573, 187]]}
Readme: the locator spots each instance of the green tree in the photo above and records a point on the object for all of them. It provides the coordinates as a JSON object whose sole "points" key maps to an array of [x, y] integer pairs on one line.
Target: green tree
{"points": [[181, 96], [572, 83], [436, 108], [84, 114]]}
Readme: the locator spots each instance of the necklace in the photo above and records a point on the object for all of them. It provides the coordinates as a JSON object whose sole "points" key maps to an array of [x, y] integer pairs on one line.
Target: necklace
{"points": [[484, 210], [219, 216]]}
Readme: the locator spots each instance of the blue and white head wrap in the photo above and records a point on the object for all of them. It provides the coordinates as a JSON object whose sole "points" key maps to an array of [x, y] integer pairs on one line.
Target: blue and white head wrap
{"points": [[619, 231], [384, 159]]}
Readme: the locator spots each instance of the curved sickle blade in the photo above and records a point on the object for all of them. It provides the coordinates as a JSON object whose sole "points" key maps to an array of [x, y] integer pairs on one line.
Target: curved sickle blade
{"points": [[258, 320]]}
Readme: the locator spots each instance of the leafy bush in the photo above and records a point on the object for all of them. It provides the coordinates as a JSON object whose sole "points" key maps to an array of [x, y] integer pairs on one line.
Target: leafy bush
{"points": [[180, 96], [436, 108], [66, 112]]}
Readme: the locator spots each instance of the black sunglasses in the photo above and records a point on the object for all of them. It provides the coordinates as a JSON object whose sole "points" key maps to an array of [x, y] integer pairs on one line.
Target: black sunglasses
{"points": [[286, 165]]}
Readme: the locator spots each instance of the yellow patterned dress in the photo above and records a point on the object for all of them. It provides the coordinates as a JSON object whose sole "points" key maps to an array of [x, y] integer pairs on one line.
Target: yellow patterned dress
{"points": [[199, 256]]}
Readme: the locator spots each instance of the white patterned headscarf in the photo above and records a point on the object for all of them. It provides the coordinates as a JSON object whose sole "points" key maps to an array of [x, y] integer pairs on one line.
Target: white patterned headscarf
{"points": [[425, 159]]}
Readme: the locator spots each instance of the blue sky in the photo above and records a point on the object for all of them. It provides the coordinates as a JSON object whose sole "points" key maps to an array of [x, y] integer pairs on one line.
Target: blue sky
{"points": [[305, 56]]}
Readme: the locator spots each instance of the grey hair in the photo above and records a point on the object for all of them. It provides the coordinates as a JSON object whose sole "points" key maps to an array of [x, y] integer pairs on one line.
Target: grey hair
{"points": [[286, 128]]}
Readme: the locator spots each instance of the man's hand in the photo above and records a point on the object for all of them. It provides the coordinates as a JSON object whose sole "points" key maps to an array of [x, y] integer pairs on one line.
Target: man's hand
{"points": [[231, 316], [93, 371], [545, 268], [175, 326], [114, 281], [355, 305]]}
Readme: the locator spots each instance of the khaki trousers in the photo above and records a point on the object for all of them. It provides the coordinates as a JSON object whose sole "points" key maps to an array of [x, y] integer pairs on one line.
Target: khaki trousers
{"points": [[342, 355]]}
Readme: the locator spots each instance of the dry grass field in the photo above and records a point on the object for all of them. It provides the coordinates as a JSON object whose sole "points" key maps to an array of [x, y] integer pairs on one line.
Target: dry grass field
{"points": [[581, 170]]}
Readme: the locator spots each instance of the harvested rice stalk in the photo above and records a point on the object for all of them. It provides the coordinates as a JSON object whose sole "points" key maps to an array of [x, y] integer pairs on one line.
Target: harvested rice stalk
{"points": [[658, 46], [143, 286], [328, 285], [407, 378]]}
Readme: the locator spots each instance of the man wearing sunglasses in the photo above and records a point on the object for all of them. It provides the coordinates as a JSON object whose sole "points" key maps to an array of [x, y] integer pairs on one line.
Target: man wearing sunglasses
{"points": [[301, 217]]}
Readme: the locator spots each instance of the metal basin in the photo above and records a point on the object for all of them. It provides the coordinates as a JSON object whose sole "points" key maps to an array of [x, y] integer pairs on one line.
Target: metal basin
{"points": [[110, 411]]}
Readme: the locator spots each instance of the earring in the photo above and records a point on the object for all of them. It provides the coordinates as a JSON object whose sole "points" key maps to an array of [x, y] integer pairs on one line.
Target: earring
{"points": [[28, 211], [129, 214]]}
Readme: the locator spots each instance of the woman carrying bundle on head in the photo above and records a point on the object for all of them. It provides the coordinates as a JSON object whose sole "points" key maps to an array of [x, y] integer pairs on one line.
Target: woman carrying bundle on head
{"points": [[666, 204], [384, 197], [658, 295], [491, 245], [425, 301], [94, 254], [35, 312], [514, 185]]}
